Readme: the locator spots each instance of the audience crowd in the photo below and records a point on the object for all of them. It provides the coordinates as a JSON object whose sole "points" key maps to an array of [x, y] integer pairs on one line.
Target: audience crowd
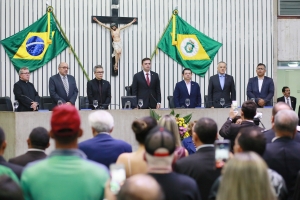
{"points": [[262, 165]]}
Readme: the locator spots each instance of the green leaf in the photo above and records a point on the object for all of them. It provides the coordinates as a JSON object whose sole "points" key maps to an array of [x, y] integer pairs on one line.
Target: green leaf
{"points": [[172, 112], [177, 115], [187, 118], [154, 115]]}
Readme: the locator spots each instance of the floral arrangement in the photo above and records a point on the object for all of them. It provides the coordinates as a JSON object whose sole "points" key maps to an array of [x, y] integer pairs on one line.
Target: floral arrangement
{"points": [[182, 122]]}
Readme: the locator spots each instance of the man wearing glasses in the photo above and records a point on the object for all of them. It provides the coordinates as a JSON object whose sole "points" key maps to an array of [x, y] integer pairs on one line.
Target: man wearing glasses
{"points": [[63, 86], [25, 92], [261, 87], [99, 90]]}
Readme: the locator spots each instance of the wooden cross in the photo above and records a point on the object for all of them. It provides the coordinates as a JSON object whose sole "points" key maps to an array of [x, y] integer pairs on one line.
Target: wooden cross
{"points": [[114, 18]]}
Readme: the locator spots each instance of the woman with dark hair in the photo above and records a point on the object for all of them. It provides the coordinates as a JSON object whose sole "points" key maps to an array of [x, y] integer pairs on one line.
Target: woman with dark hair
{"points": [[134, 162]]}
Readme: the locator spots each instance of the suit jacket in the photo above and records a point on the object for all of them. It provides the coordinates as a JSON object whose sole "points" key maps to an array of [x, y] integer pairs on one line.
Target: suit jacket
{"points": [[93, 93], [104, 149], [201, 167], [283, 156], [181, 93], [266, 93], [150, 94], [15, 168], [270, 134], [28, 157], [30, 94], [230, 130], [58, 92], [215, 91], [293, 101]]}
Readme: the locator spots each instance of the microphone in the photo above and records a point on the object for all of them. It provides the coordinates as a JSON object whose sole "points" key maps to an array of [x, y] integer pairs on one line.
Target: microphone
{"points": [[37, 107], [153, 98], [27, 97]]}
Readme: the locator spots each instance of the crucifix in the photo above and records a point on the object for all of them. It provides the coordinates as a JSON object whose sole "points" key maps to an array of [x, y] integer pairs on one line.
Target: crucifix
{"points": [[116, 47]]}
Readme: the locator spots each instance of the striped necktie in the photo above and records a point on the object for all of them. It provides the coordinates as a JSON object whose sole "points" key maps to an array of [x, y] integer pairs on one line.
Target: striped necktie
{"points": [[66, 85]]}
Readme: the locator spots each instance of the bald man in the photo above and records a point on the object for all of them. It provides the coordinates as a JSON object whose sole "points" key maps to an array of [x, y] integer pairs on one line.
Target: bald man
{"points": [[63, 86], [270, 134], [282, 155], [141, 187]]}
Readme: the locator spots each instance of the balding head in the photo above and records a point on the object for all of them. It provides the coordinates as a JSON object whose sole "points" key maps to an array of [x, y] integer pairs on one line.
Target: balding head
{"points": [[140, 187], [285, 123], [280, 106]]}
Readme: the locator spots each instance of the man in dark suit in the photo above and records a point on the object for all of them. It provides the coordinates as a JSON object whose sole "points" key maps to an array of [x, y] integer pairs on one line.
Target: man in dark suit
{"points": [[25, 92], [270, 134], [187, 89], [63, 86], [220, 86], [287, 98], [201, 165], [103, 148], [146, 86], [230, 130], [282, 155], [37, 142], [261, 87], [99, 89], [15, 168]]}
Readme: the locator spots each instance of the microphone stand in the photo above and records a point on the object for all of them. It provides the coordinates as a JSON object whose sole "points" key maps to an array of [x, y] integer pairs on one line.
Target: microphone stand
{"points": [[37, 107]]}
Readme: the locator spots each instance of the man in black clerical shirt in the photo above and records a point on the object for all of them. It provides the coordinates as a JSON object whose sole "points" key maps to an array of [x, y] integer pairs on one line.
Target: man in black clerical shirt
{"points": [[25, 92], [99, 89]]}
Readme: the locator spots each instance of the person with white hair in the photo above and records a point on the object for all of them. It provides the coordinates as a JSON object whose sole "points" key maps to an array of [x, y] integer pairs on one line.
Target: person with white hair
{"points": [[103, 148]]}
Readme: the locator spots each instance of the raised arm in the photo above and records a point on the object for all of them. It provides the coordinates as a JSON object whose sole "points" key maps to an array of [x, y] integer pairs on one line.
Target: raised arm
{"points": [[100, 23], [127, 25]]}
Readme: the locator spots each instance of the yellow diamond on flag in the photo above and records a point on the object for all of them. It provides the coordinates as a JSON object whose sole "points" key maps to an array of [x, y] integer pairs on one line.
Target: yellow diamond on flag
{"points": [[190, 48], [34, 46]]}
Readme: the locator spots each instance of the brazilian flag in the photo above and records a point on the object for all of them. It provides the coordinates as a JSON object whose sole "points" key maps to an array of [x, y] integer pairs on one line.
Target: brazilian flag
{"points": [[188, 46], [36, 45]]}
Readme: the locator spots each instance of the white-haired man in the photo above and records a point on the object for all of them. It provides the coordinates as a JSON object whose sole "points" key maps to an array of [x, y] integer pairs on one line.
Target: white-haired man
{"points": [[103, 148]]}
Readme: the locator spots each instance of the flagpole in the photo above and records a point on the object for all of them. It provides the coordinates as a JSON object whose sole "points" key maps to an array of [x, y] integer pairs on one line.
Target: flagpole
{"points": [[50, 9], [175, 12], [156, 47]]}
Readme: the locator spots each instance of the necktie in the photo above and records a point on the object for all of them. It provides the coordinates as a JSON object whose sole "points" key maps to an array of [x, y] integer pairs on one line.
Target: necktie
{"points": [[147, 79], [100, 91], [288, 101], [66, 85], [222, 81]]}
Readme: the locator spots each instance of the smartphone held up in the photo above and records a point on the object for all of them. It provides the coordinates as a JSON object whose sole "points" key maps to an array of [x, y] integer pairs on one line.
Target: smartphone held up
{"points": [[222, 151]]}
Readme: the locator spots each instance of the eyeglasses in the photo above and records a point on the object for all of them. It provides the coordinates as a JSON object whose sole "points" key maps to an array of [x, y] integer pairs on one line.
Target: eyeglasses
{"points": [[147, 63], [64, 67], [26, 73], [99, 72], [260, 69]]}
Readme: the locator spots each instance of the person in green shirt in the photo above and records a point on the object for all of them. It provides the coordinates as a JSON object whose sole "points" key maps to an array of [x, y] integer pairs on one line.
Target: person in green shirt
{"points": [[66, 174]]}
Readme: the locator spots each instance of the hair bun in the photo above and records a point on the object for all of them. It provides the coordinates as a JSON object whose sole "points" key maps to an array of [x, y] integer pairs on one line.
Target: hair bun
{"points": [[138, 126]]}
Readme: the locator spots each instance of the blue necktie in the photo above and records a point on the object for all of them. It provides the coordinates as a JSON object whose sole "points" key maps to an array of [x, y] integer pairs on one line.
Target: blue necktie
{"points": [[222, 81]]}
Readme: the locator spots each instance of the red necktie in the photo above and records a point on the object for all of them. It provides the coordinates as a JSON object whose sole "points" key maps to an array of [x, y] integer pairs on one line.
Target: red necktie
{"points": [[147, 79]]}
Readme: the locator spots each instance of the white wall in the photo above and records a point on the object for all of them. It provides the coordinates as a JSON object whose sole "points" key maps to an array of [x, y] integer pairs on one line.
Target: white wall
{"points": [[288, 39], [245, 27]]}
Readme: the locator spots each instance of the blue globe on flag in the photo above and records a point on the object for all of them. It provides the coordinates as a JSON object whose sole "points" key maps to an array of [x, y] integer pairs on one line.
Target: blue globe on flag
{"points": [[35, 46]]}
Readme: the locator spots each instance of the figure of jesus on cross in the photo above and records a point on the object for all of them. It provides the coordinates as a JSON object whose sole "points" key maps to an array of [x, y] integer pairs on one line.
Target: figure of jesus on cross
{"points": [[117, 43]]}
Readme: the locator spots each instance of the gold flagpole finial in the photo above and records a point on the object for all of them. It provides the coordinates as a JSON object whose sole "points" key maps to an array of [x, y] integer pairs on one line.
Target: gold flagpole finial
{"points": [[49, 9]]}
